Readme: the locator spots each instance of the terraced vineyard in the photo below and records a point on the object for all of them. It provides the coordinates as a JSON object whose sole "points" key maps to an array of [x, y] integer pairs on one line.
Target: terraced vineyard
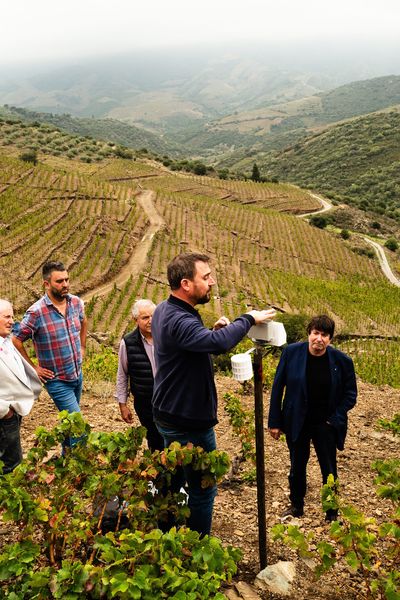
{"points": [[277, 196], [93, 225], [261, 257], [90, 216]]}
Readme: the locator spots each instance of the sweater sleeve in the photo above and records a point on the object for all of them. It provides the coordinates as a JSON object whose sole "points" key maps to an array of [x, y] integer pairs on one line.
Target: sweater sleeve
{"points": [[191, 335]]}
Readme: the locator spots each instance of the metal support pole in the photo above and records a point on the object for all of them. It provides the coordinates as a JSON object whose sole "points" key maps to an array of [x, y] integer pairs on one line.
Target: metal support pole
{"points": [[260, 462]]}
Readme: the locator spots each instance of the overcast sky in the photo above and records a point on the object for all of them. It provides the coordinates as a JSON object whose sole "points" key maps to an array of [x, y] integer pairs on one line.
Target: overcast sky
{"points": [[38, 30]]}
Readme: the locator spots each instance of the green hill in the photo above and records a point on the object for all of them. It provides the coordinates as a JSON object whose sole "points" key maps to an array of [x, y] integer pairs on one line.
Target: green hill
{"points": [[360, 97], [99, 129], [274, 127], [357, 162]]}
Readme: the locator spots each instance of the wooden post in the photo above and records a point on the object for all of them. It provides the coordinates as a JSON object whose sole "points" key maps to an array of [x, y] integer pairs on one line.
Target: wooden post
{"points": [[260, 461]]}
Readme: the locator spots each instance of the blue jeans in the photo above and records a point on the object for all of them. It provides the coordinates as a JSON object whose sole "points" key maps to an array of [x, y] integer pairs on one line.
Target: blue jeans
{"points": [[66, 396], [10, 443], [201, 500]]}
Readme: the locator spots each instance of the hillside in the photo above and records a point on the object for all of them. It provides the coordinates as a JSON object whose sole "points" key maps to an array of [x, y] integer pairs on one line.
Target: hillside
{"points": [[99, 129], [261, 256], [360, 97], [164, 89], [206, 103], [229, 111], [356, 162], [275, 127]]}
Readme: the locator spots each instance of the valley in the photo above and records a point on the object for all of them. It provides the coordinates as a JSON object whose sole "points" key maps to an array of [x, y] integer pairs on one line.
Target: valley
{"points": [[117, 200]]}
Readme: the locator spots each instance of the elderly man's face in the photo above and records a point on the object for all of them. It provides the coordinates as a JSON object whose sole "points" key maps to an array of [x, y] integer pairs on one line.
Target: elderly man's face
{"points": [[144, 320], [318, 341], [6, 319]]}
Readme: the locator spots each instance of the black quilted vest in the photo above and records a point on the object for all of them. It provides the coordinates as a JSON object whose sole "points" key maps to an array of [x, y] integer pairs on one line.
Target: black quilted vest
{"points": [[139, 368]]}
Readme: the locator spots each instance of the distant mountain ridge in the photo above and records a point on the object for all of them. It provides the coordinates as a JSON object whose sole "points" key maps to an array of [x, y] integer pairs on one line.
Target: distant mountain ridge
{"points": [[280, 125], [360, 97]]}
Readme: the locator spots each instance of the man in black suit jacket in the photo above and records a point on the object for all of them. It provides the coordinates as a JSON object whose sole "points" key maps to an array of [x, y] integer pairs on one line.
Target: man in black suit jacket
{"points": [[318, 387]]}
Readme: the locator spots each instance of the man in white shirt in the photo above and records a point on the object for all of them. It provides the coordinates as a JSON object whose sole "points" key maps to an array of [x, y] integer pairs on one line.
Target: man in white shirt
{"points": [[136, 370], [19, 388]]}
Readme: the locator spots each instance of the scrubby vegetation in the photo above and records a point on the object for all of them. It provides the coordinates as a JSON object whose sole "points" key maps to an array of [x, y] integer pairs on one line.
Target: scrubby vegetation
{"points": [[89, 521], [356, 163], [369, 548]]}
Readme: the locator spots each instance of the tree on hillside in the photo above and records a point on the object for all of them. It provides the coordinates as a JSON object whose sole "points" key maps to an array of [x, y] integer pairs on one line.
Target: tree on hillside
{"points": [[319, 221], [391, 244], [255, 174], [199, 168], [29, 156]]}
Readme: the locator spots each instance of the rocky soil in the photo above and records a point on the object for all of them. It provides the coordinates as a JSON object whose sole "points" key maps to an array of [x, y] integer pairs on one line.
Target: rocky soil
{"points": [[235, 515]]}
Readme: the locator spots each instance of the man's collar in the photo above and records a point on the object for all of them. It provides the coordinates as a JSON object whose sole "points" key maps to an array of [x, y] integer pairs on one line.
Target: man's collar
{"points": [[50, 302], [178, 302], [144, 338]]}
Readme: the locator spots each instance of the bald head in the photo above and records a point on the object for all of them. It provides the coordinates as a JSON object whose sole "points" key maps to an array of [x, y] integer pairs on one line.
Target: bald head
{"points": [[6, 317]]}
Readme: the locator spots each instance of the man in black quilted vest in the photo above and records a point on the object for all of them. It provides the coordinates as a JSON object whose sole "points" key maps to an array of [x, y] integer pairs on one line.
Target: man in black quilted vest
{"points": [[136, 370]]}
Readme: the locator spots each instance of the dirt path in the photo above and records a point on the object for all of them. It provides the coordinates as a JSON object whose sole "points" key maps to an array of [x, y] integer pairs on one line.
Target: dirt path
{"points": [[137, 261], [325, 207], [383, 262], [387, 271]]}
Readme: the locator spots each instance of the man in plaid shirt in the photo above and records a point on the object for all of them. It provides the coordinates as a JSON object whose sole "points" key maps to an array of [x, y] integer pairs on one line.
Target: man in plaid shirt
{"points": [[57, 326]]}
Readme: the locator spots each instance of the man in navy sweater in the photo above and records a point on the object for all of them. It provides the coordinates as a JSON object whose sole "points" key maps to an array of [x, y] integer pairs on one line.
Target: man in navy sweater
{"points": [[185, 398]]}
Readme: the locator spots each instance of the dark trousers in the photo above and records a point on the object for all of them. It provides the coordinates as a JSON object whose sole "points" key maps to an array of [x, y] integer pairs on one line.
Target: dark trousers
{"points": [[323, 438], [10, 443], [201, 499], [154, 438]]}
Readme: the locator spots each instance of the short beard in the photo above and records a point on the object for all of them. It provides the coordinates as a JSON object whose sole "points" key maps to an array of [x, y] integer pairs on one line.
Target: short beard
{"points": [[59, 296], [203, 299]]}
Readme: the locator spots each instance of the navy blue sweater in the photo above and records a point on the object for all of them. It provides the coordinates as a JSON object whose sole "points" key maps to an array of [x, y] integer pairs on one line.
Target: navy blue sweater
{"points": [[184, 389]]}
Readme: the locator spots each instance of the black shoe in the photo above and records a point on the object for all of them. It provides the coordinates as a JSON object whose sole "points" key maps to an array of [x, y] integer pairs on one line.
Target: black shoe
{"points": [[293, 511], [331, 515]]}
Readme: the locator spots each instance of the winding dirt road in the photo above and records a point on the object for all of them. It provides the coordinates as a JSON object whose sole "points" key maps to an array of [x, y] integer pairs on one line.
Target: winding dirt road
{"points": [[138, 259], [383, 262], [325, 207]]}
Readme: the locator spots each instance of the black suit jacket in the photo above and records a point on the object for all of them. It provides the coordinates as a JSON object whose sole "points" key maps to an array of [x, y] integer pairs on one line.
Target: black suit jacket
{"points": [[290, 384]]}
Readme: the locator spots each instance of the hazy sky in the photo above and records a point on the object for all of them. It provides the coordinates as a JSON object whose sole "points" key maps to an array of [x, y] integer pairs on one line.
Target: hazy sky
{"points": [[37, 30]]}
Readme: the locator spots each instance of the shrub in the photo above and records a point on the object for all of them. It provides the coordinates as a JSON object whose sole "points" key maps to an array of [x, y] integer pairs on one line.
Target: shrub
{"points": [[123, 152], [199, 169], [356, 536], [29, 156], [391, 244], [89, 521], [295, 326], [319, 221], [102, 365]]}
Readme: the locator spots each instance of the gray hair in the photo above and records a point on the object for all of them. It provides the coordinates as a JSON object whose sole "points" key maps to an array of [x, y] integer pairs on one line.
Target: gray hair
{"points": [[143, 303], [4, 304]]}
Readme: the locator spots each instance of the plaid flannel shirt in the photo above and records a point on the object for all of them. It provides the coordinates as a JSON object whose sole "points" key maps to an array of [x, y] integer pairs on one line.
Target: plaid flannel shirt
{"points": [[56, 338]]}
